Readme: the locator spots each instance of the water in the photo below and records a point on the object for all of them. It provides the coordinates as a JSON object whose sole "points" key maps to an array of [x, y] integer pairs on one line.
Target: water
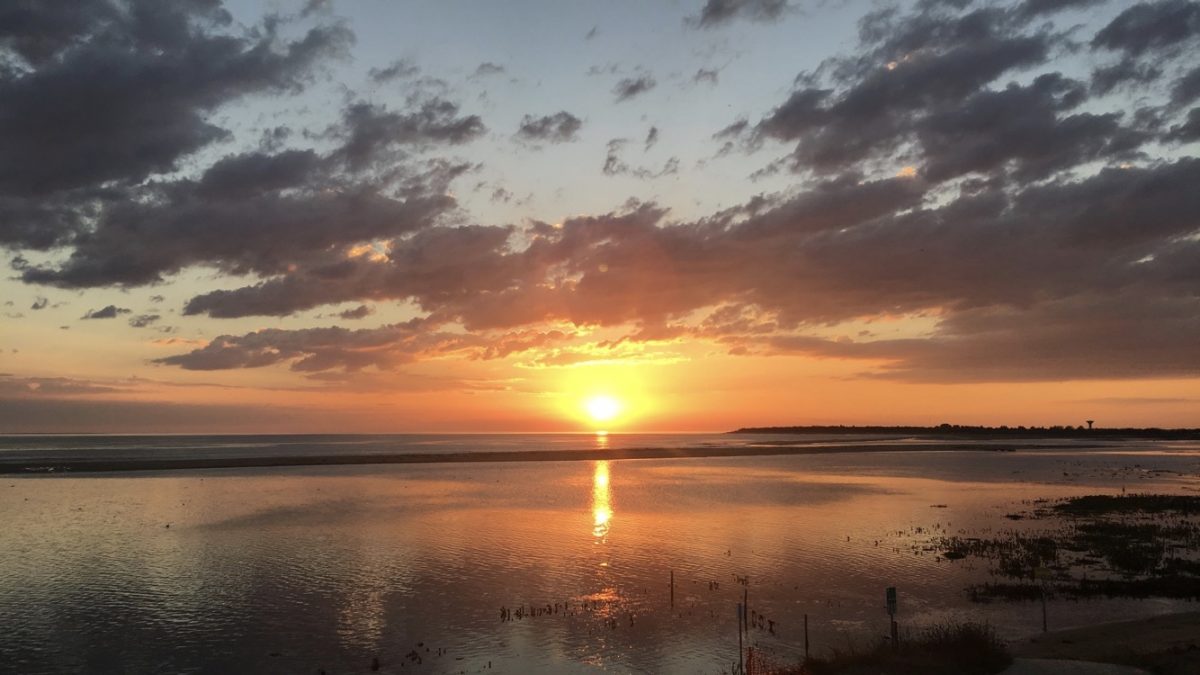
{"points": [[293, 569]]}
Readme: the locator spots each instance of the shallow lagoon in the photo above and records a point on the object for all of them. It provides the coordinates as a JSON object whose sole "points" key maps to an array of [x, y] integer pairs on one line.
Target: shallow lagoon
{"points": [[293, 569]]}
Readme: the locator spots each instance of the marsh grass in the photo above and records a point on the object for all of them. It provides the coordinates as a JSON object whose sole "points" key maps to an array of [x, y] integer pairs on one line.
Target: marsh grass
{"points": [[942, 649], [1095, 546]]}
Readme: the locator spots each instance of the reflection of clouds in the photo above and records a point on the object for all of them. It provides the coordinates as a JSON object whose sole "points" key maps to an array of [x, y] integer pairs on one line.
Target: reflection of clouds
{"points": [[601, 500]]}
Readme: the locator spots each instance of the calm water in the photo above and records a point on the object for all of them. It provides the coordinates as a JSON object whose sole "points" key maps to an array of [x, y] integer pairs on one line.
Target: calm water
{"points": [[294, 569]]}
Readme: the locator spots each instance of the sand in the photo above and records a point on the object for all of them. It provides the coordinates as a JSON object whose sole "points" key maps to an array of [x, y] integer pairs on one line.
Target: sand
{"points": [[1163, 644], [82, 464]]}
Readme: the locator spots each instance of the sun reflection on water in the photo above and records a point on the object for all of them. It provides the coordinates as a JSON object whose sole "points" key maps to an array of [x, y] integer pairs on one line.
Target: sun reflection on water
{"points": [[601, 501]]}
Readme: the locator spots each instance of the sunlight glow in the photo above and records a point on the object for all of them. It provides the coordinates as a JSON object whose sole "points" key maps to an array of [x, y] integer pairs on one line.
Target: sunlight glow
{"points": [[602, 408]]}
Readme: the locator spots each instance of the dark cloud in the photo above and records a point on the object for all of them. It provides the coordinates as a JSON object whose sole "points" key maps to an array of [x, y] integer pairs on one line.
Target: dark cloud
{"points": [[143, 320], [260, 212], [39, 303], [651, 138], [1025, 127], [1126, 72], [630, 87], [1035, 8], [909, 67], [706, 75], [396, 70], [1078, 250], [1187, 88], [119, 99], [360, 312], [1151, 26], [103, 95], [372, 132], [1188, 131], [107, 312], [719, 12], [561, 127]]}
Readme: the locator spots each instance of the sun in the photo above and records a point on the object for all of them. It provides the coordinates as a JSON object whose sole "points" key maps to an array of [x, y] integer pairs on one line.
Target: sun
{"points": [[602, 408]]}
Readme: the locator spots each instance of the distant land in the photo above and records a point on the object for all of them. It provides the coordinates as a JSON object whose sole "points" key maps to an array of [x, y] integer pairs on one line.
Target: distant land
{"points": [[967, 431]]}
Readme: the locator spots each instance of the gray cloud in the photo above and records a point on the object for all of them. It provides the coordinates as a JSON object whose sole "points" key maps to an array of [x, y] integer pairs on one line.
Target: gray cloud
{"points": [[615, 166], [630, 87], [143, 320], [561, 127], [1151, 26], [128, 93], [107, 312], [360, 312], [396, 70], [910, 66], [651, 138], [719, 12]]}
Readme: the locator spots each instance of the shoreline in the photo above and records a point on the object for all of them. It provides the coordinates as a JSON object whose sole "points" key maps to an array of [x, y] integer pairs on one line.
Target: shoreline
{"points": [[74, 465], [1167, 643]]}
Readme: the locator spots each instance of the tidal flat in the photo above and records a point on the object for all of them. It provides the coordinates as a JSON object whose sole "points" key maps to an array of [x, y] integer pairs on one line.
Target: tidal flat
{"points": [[549, 566]]}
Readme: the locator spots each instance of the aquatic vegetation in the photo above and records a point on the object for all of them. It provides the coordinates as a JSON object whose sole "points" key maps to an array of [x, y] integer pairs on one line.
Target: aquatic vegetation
{"points": [[1091, 546]]}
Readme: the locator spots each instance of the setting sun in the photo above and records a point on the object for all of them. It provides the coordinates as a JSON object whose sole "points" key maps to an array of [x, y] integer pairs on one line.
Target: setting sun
{"points": [[602, 408]]}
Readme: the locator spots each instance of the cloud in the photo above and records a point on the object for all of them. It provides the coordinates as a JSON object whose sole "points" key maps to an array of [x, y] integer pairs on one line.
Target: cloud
{"points": [[719, 12], [260, 212], [1151, 26], [651, 138], [360, 312], [561, 127], [706, 75], [615, 166], [143, 320], [371, 132], [630, 87], [1026, 223], [396, 70], [100, 96], [488, 68], [1187, 131], [39, 303], [322, 349], [107, 312], [1187, 88], [12, 386]]}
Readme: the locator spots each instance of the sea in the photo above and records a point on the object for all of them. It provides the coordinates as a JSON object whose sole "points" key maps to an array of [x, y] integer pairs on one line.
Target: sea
{"points": [[571, 566]]}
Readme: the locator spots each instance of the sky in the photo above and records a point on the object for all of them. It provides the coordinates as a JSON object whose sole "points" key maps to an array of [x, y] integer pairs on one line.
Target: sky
{"points": [[368, 216]]}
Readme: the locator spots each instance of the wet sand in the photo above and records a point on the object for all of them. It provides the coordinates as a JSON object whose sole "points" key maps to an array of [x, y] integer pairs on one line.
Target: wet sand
{"points": [[1164, 644], [77, 464]]}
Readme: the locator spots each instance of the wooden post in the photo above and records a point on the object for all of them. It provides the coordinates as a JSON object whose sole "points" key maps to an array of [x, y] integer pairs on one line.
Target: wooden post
{"points": [[1044, 609], [891, 608], [805, 637], [741, 616]]}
